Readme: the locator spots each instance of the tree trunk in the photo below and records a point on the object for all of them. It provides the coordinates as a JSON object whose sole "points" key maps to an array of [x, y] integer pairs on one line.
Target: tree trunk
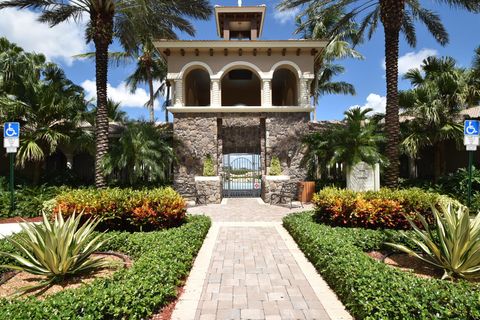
{"points": [[37, 172], [150, 88], [392, 12], [438, 160], [167, 104], [102, 39]]}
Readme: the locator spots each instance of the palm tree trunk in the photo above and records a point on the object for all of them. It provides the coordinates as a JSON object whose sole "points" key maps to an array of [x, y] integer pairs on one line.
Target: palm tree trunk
{"points": [[392, 12], [152, 96], [439, 165], [102, 40], [37, 172]]}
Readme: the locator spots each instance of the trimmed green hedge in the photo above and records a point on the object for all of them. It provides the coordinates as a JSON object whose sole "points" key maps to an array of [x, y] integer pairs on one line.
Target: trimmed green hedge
{"points": [[29, 201], [161, 260], [370, 289]]}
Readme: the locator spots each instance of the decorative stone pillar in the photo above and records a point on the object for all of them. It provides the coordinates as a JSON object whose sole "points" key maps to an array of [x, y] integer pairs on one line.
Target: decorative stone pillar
{"points": [[215, 97], [305, 92], [178, 93], [267, 93]]}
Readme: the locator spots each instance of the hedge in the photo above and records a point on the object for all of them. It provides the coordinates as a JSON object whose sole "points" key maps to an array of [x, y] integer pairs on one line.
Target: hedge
{"points": [[162, 259], [125, 208], [370, 289], [386, 208], [28, 200]]}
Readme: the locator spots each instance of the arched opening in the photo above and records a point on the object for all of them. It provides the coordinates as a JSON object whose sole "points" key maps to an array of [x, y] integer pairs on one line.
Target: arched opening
{"points": [[197, 88], [284, 88], [241, 87]]}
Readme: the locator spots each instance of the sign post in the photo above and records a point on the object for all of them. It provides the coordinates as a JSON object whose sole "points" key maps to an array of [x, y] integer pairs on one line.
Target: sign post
{"points": [[11, 141], [471, 141]]}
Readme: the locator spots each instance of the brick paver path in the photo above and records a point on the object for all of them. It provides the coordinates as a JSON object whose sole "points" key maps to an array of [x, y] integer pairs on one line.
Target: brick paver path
{"points": [[250, 268]]}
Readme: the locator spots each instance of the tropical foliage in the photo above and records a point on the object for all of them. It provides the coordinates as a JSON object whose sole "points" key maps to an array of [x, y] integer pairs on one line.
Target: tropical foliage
{"points": [[208, 167], [432, 108], [57, 250], [396, 16], [275, 167], [124, 209], [112, 19], [453, 244], [142, 155], [48, 106]]}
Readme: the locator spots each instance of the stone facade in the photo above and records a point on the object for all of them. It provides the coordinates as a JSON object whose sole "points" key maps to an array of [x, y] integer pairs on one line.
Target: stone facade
{"points": [[269, 134], [211, 187], [273, 184]]}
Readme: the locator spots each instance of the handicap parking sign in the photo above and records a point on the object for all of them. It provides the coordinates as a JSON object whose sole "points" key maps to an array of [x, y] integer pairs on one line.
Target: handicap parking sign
{"points": [[11, 130], [471, 128]]}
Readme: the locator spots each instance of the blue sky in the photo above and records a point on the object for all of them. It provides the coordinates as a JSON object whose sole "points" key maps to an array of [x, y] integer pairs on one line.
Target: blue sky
{"points": [[368, 76]]}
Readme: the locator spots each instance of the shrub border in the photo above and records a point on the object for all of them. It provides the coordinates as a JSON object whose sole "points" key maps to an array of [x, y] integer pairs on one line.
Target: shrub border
{"points": [[370, 289], [162, 260]]}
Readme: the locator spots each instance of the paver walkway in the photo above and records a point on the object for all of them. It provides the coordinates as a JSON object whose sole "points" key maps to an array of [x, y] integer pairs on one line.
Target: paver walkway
{"points": [[250, 268]]}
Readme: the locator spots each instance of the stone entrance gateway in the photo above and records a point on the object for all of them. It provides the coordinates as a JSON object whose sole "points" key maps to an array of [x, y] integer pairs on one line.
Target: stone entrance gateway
{"points": [[239, 96]]}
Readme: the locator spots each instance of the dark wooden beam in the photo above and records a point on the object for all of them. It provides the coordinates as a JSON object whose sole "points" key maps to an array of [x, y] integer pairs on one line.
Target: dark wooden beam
{"points": [[211, 52], [240, 52], [167, 52], [298, 51], [284, 51], [269, 51], [255, 52], [225, 52], [314, 52], [197, 52], [182, 52]]}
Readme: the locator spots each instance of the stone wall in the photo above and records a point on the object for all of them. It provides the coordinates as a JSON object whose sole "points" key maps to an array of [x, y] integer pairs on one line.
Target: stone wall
{"points": [[285, 132], [273, 184], [211, 188], [194, 138], [272, 134]]}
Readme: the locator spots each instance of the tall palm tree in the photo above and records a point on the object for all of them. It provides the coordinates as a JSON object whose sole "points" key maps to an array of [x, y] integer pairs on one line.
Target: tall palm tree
{"points": [[396, 16], [109, 19], [150, 67], [339, 47], [440, 91]]}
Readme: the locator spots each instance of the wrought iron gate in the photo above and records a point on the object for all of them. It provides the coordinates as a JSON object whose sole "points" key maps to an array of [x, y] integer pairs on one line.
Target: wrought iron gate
{"points": [[242, 175]]}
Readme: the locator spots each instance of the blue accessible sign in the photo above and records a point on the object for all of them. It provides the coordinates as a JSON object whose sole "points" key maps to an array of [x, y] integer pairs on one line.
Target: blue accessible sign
{"points": [[471, 127], [11, 136]]}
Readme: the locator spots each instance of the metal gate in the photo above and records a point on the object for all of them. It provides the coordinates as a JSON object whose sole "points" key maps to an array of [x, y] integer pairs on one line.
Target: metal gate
{"points": [[242, 175]]}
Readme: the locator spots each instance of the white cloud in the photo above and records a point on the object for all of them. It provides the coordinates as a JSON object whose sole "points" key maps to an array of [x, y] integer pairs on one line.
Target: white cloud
{"points": [[120, 93], [412, 60], [374, 101], [58, 43], [286, 15]]}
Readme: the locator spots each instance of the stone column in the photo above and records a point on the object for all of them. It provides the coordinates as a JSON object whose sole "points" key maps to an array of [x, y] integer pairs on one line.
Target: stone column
{"points": [[305, 93], [215, 97], [267, 93], [178, 93]]}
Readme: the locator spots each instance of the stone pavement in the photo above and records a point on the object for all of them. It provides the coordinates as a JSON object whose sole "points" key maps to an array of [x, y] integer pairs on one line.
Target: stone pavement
{"points": [[250, 268]]}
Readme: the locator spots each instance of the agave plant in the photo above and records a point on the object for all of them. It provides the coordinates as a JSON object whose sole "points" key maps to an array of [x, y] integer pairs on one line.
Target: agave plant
{"points": [[453, 244], [57, 250]]}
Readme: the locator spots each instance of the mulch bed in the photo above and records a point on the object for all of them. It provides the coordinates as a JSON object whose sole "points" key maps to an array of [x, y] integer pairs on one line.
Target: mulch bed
{"points": [[166, 312], [19, 219], [407, 263]]}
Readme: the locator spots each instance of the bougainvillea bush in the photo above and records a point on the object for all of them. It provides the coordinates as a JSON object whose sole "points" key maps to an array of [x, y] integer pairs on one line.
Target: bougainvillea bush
{"points": [[125, 209], [384, 209]]}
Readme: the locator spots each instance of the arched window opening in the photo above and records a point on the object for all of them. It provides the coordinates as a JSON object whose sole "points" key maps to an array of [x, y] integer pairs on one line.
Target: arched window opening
{"points": [[197, 88], [284, 88], [241, 87]]}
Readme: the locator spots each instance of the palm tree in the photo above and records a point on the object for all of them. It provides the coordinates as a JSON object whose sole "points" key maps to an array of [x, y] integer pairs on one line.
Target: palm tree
{"points": [[396, 16], [358, 140], [150, 67], [111, 19], [440, 91], [338, 47], [143, 155], [48, 106]]}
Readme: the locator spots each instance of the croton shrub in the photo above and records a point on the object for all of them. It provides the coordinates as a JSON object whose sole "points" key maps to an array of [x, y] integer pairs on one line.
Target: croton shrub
{"points": [[386, 208], [125, 208]]}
